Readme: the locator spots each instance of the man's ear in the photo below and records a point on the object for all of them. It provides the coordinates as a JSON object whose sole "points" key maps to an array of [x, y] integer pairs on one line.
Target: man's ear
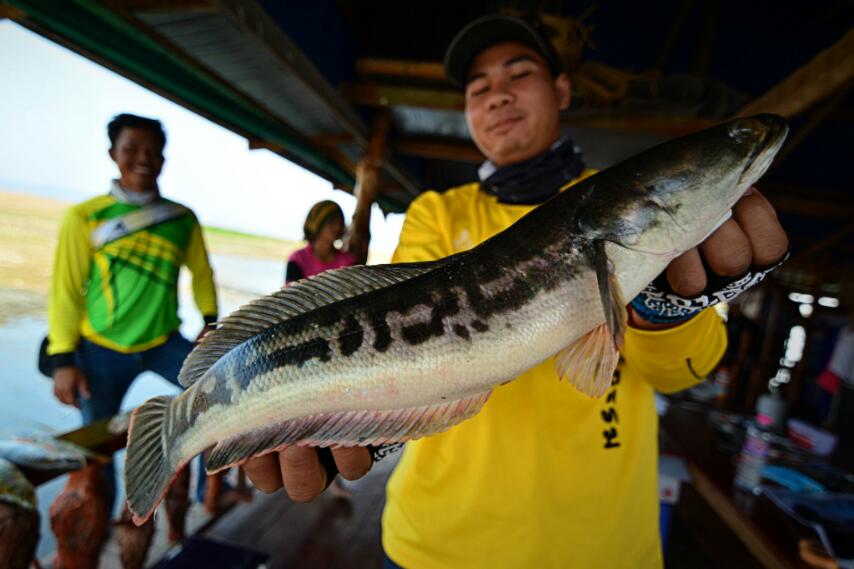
{"points": [[112, 153], [564, 90]]}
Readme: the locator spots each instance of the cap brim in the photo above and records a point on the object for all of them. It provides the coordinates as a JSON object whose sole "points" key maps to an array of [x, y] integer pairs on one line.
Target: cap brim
{"points": [[482, 33]]}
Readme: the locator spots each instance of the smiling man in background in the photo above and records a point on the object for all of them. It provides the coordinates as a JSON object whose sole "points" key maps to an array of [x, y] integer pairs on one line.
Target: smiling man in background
{"points": [[113, 309], [543, 476]]}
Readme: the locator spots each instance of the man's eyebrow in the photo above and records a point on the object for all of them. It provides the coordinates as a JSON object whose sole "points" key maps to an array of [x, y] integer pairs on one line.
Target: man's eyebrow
{"points": [[508, 63], [518, 58]]}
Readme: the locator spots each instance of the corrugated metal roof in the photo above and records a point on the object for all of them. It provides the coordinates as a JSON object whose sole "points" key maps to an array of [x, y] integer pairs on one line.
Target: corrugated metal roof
{"points": [[217, 42]]}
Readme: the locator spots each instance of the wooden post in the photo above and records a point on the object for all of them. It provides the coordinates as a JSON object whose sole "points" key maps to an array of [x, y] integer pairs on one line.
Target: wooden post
{"points": [[19, 535], [177, 503], [760, 376], [80, 518], [367, 179], [133, 541]]}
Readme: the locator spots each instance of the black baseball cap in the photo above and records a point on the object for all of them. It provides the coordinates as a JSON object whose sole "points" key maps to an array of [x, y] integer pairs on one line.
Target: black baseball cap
{"points": [[489, 30]]}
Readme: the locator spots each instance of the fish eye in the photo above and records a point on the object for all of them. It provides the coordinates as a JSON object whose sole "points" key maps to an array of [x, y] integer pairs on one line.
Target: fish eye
{"points": [[746, 130]]}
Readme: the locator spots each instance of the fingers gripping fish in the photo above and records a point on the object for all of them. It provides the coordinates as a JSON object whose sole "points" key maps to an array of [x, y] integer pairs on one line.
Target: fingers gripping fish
{"points": [[378, 354]]}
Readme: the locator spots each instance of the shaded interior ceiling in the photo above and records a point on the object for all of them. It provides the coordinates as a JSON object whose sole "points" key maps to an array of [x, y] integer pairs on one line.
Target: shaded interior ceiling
{"points": [[308, 79]]}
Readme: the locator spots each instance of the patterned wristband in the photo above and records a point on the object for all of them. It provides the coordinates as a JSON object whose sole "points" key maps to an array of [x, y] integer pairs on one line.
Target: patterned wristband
{"points": [[658, 303]]}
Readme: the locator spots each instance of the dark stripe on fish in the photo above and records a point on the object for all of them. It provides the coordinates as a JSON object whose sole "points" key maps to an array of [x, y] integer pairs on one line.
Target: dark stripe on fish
{"points": [[462, 331], [351, 337], [448, 305], [382, 332]]}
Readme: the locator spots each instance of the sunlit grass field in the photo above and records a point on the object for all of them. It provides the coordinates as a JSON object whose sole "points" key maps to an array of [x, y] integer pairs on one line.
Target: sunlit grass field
{"points": [[29, 227]]}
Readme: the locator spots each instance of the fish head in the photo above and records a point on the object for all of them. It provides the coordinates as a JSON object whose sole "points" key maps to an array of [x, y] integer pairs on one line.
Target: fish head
{"points": [[670, 198]]}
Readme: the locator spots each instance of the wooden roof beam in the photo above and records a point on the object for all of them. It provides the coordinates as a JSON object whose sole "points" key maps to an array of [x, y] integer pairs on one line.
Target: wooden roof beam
{"points": [[428, 147], [374, 95], [810, 207], [826, 73], [398, 68], [11, 13], [667, 125]]}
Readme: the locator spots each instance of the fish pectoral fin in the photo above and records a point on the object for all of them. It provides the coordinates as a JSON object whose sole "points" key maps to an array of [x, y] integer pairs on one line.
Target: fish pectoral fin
{"points": [[589, 362], [348, 428], [613, 304]]}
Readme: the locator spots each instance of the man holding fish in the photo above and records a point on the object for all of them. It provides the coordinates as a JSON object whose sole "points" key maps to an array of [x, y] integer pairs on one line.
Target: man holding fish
{"points": [[543, 475]]}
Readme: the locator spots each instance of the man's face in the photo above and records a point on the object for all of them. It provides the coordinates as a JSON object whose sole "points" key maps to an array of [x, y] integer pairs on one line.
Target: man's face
{"points": [[139, 157], [513, 103]]}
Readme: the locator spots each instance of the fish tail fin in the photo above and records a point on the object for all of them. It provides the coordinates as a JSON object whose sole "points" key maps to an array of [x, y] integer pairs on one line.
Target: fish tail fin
{"points": [[147, 465]]}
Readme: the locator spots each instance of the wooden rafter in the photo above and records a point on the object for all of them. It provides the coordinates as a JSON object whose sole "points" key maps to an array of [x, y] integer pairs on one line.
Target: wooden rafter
{"points": [[425, 147], [419, 70], [810, 207], [826, 73], [10, 12], [667, 125], [817, 116], [373, 95]]}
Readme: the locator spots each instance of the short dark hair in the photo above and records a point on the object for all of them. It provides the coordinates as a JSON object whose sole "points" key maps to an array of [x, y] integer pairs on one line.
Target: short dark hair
{"points": [[127, 120]]}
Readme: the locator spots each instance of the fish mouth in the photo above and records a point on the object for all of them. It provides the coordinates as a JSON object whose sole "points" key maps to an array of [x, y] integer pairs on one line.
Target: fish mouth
{"points": [[771, 131]]}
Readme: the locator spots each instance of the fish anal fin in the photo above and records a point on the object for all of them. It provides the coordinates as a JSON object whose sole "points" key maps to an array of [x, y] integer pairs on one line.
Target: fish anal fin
{"points": [[349, 428], [589, 362]]}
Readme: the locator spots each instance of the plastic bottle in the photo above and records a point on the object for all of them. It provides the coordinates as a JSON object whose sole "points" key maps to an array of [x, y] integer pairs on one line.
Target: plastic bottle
{"points": [[723, 381], [751, 459]]}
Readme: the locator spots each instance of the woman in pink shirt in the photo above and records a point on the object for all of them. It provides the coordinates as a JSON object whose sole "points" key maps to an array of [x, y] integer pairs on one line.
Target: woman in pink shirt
{"points": [[324, 225]]}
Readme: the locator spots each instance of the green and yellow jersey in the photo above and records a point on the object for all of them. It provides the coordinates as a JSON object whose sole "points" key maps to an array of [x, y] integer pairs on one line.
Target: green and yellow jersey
{"points": [[543, 476], [124, 294]]}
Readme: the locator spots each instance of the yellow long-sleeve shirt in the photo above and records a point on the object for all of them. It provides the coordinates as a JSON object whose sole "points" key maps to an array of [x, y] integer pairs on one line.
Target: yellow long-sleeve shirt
{"points": [[543, 476], [123, 295]]}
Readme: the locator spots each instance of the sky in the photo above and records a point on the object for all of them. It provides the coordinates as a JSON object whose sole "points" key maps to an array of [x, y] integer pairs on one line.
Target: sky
{"points": [[54, 110]]}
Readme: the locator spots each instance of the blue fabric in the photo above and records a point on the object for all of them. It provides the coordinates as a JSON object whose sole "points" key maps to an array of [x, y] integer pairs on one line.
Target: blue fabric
{"points": [[110, 374], [388, 563]]}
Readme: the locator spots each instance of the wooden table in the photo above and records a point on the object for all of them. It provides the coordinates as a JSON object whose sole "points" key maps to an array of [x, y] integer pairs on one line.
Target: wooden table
{"points": [[768, 533]]}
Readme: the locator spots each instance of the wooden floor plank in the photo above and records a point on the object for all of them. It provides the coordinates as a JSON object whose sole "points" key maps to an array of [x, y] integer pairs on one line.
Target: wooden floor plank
{"points": [[328, 532]]}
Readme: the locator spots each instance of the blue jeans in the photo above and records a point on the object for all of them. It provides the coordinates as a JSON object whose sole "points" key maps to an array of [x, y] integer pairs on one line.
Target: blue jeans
{"points": [[110, 374], [388, 563]]}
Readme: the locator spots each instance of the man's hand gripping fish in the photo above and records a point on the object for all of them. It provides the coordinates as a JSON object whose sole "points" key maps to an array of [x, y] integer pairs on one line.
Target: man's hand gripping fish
{"points": [[378, 354]]}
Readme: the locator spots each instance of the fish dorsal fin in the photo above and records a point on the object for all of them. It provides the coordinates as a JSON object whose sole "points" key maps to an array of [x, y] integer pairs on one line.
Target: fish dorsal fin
{"points": [[301, 297]]}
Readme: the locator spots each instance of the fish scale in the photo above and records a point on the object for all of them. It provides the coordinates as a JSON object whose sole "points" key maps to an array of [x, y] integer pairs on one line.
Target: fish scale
{"points": [[388, 353]]}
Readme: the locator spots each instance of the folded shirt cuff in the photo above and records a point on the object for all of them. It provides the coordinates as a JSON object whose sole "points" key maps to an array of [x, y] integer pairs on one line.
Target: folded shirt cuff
{"points": [[64, 359]]}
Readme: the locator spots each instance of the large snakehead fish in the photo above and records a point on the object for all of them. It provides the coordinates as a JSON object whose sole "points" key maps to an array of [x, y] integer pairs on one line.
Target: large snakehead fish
{"points": [[377, 354]]}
